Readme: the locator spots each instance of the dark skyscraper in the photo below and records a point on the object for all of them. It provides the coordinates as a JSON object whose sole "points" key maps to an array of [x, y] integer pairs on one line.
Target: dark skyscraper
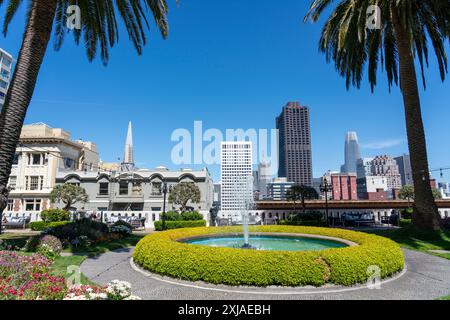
{"points": [[295, 144], [352, 153]]}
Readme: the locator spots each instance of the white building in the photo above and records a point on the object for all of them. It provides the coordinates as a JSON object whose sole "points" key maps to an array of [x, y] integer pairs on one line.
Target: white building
{"points": [[444, 188], [6, 61], [236, 177], [41, 153]]}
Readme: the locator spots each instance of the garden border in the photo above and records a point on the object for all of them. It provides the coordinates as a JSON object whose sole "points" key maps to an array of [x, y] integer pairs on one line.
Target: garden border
{"points": [[164, 254]]}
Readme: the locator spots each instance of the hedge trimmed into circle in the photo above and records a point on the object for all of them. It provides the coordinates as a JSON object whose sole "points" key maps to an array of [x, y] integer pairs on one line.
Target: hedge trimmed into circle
{"points": [[163, 254]]}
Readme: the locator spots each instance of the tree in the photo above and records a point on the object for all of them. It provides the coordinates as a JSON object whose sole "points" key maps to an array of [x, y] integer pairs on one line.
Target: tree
{"points": [[302, 193], [69, 194], [98, 31], [404, 29], [407, 193], [184, 192]]}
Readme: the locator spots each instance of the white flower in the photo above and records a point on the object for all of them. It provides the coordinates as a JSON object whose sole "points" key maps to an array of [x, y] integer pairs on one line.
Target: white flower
{"points": [[133, 298]]}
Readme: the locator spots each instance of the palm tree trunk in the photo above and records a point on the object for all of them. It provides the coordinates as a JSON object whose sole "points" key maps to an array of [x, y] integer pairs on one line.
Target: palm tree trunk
{"points": [[425, 215], [34, 45]]}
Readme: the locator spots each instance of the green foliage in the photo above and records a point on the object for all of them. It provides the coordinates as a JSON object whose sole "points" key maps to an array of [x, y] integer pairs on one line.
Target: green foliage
{"points": [[406, 193], [407, 213], [184, 192], [184, 216], [68, 194], [122, 223], [42, 225], [308, 223], [405, 222], [79, 231], [54, 215], [161, 253], [179, 224]]}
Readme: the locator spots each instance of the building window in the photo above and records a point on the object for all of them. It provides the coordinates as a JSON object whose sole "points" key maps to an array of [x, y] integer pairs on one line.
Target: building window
{"points": [[15, 160], [34, 159], [12, 182], [156, 188], [103, 188], [10, 206], [33, 205], [34, 183], [123, 188], [69, 163]]}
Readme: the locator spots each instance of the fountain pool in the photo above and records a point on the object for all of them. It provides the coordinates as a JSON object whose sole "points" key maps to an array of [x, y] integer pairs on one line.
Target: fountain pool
{"points": [[273, 243]]}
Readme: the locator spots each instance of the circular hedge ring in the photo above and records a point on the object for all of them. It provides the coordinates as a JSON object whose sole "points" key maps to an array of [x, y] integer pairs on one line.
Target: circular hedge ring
{"points": [[163, 253]]}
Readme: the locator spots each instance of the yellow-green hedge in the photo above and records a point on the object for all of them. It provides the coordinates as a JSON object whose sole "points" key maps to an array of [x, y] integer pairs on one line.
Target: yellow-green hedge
{"points": [[161, 253]]}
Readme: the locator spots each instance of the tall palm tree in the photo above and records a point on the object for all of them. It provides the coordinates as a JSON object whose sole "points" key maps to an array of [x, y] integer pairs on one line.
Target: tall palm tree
{"points": [[406, 28], [99, 31]]}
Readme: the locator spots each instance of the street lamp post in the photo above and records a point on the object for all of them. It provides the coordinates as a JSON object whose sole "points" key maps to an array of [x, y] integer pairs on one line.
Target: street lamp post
{"points": [[325, 187], [164, 190]]}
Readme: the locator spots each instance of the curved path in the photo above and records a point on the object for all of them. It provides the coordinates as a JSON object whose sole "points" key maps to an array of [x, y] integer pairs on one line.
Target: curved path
{"points": [[426, 277]]}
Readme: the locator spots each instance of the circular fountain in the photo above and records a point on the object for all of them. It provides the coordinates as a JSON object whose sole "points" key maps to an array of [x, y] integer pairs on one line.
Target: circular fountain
{"points": [[268, 242]]}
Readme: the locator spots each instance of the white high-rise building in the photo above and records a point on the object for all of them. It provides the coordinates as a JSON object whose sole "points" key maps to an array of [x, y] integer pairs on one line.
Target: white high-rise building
{"points": [[236, 178], [6, 61]]}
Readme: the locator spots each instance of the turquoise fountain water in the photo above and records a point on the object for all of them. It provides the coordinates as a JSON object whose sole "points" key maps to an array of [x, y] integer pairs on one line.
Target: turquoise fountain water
{"points": [[275, 243]]}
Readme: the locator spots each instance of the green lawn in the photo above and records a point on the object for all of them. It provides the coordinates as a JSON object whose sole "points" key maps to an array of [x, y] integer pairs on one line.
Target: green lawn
{"points": [[421, 241]]}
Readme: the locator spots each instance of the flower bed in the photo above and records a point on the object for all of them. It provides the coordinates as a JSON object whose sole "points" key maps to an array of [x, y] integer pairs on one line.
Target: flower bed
{"points": [[28, 278], [161, 253]]}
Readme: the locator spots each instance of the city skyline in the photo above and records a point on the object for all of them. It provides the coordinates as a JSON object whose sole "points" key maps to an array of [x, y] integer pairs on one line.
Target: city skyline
{"points": [[269, 76]]}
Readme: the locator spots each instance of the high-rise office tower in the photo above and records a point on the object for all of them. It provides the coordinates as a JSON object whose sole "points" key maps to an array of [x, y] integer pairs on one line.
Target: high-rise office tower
{"points": [[404, 166], [352, 153], [6, 61], [387, 167], [236, 177], [295, 158], [264, 178]]}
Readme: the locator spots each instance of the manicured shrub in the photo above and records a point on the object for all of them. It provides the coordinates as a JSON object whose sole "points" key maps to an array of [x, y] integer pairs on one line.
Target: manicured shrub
{"points": [[54, 215], [42, 225], [77, 231], [173, 216], [161, 253], [180, 224], [317, 223], [405, 222], [191, 216], [122, 230], [122, 223]]}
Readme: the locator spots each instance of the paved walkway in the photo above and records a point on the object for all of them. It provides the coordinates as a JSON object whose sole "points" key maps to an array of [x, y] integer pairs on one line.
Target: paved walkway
{"points": [[427, 277]]}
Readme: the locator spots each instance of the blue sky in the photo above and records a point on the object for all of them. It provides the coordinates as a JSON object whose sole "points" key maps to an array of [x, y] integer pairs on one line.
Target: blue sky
{"points": [[231, 64]]}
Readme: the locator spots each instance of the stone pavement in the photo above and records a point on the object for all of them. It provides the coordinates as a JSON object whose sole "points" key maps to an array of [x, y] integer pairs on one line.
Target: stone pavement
{"points": [[426, 277]]}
